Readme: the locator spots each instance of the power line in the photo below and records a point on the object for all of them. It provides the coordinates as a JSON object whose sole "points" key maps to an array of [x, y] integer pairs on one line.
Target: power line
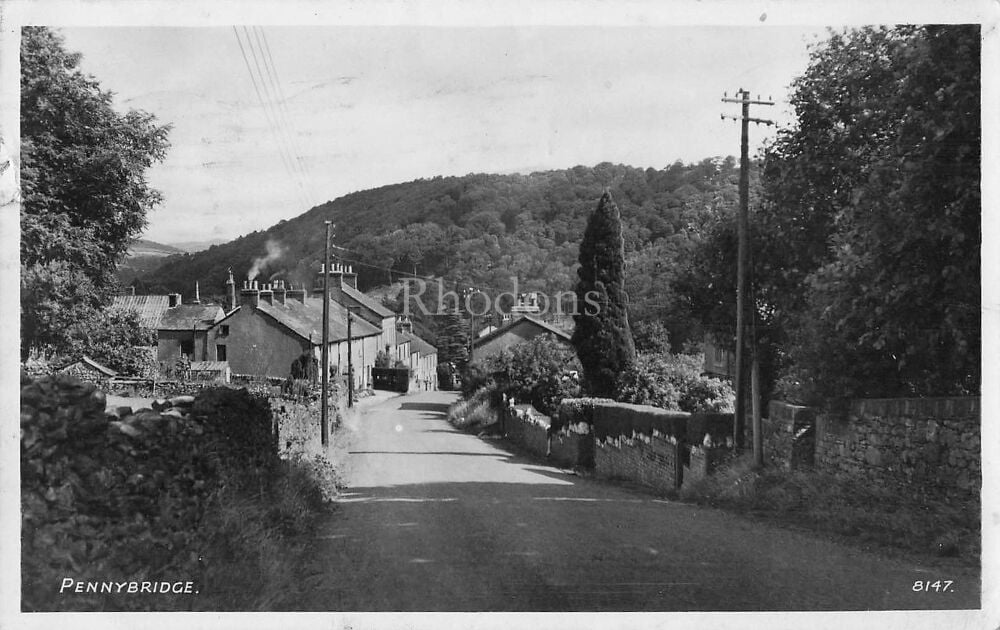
{"points": [[281, 152], [283, 100], [274, 102], [274, 115]]}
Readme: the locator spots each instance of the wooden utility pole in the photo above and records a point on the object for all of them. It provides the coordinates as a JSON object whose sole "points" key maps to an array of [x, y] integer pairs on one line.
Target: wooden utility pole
{"points": [[350, 361], [324, 404], [742, 265]]}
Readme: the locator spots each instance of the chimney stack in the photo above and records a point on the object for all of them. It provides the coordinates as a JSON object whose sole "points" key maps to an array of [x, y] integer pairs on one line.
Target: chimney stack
{"points": [[339, 275], [280, 291], [403, 324], [230, 292], [197, 294], [266, 293], [299, 295], [250, 295]]}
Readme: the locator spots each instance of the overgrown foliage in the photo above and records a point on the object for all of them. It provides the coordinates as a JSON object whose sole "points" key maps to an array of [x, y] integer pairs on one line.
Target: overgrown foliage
{"points": [[541, 371], [674, 382], [85, 196], [602, 337], [476, 411], [866, 223], [892, 306]]}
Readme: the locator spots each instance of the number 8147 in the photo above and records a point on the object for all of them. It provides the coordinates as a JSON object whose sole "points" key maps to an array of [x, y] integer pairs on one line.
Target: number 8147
{"points": [[937, 586]]}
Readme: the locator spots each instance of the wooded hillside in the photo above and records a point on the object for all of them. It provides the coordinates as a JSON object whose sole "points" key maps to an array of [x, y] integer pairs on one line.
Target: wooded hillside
{"points": [[481, 230]]}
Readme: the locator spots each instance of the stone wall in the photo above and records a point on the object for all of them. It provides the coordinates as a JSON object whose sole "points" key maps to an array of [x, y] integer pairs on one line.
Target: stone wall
{"points": [[925, 443], [528, 433], [702, 462], [569, 449], [788, 435], [652, 461]]}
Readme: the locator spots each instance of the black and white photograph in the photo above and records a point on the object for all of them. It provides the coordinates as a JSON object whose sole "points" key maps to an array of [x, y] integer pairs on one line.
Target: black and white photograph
{"points": [[558, 314]]}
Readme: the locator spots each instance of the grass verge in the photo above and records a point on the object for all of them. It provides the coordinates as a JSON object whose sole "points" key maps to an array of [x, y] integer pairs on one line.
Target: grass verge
{"points": [[474, 413]]}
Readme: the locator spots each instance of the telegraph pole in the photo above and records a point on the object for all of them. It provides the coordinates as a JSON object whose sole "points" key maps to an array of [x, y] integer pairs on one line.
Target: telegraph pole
{"points": [[350, 361], [742, 260], [325, 413]]}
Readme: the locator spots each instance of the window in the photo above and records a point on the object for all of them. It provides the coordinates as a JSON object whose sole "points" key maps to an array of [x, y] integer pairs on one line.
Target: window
{"points": [[224, 333], [220, 352], [187, 347]]}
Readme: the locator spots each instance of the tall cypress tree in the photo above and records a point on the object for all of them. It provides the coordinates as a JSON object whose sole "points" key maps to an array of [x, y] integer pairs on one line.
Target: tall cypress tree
{"points": [[603, 339]]}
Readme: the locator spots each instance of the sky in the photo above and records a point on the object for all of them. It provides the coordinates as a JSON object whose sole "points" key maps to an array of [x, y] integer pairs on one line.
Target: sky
{"points": [[353, 108]]}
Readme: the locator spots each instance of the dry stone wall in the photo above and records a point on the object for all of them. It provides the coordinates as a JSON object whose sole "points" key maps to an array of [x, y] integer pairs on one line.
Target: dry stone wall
{"points": [[931, 443]]}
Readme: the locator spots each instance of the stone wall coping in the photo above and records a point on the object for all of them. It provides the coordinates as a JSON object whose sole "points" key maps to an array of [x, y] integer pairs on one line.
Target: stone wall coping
{"points": [[940, 407]]}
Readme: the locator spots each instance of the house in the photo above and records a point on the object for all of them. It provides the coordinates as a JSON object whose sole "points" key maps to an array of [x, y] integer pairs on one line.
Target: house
{"points": [[273, 325], [181, 329], [422, 360], [519, 330], [344, 291], [86, 369], [720, 362]]}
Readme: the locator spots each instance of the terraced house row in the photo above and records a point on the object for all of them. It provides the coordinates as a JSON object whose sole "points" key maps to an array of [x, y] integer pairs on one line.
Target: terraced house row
{"points": [[263, 328]]}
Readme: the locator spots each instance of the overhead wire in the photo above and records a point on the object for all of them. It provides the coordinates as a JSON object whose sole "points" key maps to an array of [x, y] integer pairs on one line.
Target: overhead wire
{"points": [[270, 88], [283, 102], [285, 159]]}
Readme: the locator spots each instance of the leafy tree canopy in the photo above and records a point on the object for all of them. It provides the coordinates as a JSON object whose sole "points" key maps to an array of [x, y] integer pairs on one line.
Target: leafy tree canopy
{"points": [[84, 191], [866, 232]]}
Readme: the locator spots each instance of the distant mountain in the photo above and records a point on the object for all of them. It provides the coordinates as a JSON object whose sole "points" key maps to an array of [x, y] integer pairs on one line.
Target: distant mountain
{"points": [[193, 247], [142, 247], [482, 230]]}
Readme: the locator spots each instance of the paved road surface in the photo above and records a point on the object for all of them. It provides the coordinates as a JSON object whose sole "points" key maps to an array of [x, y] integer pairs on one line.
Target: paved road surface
{"points": [[438, 520]]}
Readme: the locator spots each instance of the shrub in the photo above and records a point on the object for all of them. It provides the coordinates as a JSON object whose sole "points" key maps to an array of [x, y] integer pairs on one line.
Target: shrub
{"points": [[674, 382], [541, 371]]}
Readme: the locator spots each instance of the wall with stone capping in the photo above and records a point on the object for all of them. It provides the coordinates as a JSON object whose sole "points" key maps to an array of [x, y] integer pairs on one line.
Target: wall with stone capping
{"points": [[652, 461]]}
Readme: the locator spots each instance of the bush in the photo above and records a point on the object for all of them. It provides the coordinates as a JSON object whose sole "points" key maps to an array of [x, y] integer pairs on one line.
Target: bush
{"points": [[474, 378], [674, 382], [541, 371]]}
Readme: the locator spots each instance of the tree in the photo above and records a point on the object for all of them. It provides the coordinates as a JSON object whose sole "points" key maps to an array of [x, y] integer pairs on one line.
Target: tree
{"points": [[85, 195], [602, 337], [872, 216]]}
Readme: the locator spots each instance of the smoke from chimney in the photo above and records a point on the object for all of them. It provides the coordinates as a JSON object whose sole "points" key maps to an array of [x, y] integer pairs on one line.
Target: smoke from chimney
{"points": [[274, 251]]}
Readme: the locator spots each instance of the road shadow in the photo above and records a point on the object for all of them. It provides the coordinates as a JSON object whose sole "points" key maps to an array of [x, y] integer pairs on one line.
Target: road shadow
{"points": [[437, 408]]}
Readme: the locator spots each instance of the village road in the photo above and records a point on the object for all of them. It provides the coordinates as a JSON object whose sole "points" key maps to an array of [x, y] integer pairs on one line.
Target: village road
{"points": [[438, 520]]}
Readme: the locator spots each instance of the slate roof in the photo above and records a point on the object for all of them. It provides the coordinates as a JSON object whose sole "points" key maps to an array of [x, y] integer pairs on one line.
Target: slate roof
{"points": [[149, 307], [94, 365], [417, 344], [370, 303], [191, 317], [561, 334], [209, 366], [306, 319]]}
